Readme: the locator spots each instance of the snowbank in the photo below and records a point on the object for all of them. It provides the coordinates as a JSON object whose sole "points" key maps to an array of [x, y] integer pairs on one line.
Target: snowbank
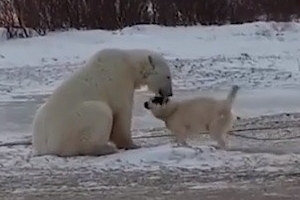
{"points": [[255, 39], [254, 55]]}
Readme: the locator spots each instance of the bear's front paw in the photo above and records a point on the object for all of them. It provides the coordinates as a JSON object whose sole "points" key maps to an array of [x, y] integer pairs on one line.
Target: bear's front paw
{"points": [[128, 146], [133, 146]]}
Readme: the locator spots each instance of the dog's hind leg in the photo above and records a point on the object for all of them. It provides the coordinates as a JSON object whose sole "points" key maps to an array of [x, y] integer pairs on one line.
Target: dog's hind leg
{"points": [[218, 134]]}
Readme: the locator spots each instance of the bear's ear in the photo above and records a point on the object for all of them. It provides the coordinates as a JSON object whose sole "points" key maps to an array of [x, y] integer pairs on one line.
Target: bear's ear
{"points": [[151, 61]]}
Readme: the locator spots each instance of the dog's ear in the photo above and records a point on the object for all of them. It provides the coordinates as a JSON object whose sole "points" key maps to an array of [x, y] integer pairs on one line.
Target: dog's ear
{"points": [[146, 105]]}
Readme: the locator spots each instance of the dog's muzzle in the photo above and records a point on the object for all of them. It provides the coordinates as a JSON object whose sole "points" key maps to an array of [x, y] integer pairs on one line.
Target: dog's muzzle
{"points": [[146, 105]]}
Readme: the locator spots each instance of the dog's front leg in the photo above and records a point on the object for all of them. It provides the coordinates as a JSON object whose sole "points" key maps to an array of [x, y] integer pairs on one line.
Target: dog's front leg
{"points": [[180, 138]]}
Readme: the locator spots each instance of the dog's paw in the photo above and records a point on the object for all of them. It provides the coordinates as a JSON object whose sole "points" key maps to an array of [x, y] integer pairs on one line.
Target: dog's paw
{"points": [[215, 147], [181, 144], [197, 150], [129, 147]]}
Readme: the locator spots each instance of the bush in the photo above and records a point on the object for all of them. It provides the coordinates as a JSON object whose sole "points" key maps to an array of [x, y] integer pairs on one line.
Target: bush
{"points": [[50, 15]]}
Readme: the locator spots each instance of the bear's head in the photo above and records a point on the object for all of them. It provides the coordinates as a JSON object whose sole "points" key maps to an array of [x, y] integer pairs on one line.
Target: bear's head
{"points": [[159, 79]]}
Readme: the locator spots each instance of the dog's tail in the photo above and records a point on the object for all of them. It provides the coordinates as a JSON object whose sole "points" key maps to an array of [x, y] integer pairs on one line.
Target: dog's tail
{"points": [[232, 94], [225, 112]]}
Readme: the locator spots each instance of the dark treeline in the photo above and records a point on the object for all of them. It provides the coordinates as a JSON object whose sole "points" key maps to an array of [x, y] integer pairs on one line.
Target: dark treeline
{"points": [[49, 15]]}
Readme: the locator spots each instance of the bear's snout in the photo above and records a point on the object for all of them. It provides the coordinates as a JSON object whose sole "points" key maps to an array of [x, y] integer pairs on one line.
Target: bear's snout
{"points": [[146, 105]]}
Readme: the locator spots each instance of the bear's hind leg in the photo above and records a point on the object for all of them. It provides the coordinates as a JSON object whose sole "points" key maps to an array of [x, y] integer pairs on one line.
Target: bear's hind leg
{"points": [[102, 150], [107, 149], [39, 135], [92, 125]]}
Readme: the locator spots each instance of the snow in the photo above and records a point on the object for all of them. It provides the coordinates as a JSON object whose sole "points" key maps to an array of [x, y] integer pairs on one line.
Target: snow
{"points": [[203, 157], [180, 42], [254, 55], [259, 56]]}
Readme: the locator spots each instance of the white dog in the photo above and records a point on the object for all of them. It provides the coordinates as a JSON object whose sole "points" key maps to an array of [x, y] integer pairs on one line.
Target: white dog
{"points": [[195, 115]]}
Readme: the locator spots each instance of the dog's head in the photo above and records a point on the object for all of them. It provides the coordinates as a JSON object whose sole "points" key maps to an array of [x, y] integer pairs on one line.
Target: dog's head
{"points": [[158, 106], [156, 101]]}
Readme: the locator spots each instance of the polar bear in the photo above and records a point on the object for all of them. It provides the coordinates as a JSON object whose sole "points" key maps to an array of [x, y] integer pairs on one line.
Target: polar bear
{"points": [[94, 106]]}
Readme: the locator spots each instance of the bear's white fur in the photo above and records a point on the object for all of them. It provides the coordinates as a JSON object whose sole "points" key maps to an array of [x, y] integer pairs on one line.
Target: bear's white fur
{"points": [[94, 106]]}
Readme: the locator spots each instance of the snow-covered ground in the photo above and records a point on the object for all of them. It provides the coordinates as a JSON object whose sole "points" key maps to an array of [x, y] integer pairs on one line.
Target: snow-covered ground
{"points": [[263, 58], [256, 55]]}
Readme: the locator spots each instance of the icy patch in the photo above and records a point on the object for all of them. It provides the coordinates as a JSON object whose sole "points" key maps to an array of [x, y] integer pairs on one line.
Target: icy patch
{"points": [[212, 185]]}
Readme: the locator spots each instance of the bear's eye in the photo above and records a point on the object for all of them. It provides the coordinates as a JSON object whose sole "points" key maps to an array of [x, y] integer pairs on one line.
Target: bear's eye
{"points": [[168, 77]]}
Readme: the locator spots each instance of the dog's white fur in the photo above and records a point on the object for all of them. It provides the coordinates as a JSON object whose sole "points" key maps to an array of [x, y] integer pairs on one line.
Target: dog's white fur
{"points": [[196, 115]]}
